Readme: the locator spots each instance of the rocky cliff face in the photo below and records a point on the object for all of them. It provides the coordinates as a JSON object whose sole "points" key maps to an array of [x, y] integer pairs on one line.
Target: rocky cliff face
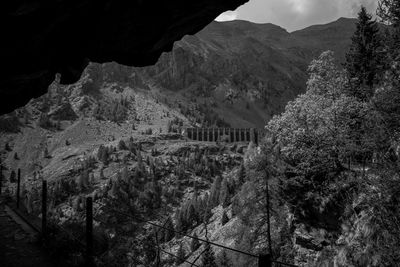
{"points": [[233, 73], [42, 38], [240, 64]]}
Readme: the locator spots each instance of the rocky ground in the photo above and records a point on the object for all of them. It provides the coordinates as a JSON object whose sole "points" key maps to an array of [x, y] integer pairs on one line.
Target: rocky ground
{"points": [[19, 244]]}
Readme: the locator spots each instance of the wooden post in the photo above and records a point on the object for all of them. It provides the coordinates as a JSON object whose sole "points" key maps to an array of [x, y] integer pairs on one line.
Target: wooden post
{"points": [[1, 176], [264, 261], [89, 231], [197, 134], [44, 209], [18, 186]]}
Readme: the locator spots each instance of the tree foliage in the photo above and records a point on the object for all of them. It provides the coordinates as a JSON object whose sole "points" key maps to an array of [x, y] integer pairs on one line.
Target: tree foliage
{"points": [[363, 61], [319, 132], [208, 259]]}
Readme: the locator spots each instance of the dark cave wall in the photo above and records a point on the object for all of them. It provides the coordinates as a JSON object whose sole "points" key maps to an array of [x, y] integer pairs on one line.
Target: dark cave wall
{"points": [[43, 37]]}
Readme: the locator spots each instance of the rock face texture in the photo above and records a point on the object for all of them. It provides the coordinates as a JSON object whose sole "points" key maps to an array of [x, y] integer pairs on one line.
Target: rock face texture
{"points": [[41, 38]]}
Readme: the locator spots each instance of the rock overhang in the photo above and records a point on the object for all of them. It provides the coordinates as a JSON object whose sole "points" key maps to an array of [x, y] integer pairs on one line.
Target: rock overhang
{"points": [[42, 38]]}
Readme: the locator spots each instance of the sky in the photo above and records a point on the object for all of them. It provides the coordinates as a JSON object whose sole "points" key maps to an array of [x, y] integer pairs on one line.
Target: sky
{"points": [[297, 14]]}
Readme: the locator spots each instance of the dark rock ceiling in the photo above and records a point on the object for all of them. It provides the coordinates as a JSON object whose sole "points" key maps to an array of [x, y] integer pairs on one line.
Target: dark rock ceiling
{"points": [[43, 37]]}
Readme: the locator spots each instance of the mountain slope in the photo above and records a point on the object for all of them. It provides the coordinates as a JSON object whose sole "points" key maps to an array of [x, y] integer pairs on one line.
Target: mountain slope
{"points": [[239, 64]]}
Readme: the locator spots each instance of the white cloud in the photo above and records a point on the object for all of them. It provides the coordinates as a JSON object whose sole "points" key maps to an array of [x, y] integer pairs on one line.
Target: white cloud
{"points": [[227, 16], [297, 14]]}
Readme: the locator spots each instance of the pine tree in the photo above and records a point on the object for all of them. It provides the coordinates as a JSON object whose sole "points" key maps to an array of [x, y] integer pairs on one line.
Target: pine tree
{"points": [[91, 178], [224, 196], [363, 61], [140, 166], [241, 174], [168, 234], [208, 259], [195, 244], [149, 250], [114, 189], [389, 12], [224, 260], [215, 191], [83, 181], [180, 223], [46, 153], [180, 256], [125, 174], [224, 218], [122, 145], [7, 147]]}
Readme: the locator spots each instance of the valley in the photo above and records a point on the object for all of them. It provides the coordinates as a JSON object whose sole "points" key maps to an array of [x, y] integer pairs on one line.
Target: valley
{"points": [[115, 135]]}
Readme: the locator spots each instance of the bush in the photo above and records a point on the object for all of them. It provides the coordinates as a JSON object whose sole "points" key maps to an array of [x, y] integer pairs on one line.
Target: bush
{"points": [[122, 145]]}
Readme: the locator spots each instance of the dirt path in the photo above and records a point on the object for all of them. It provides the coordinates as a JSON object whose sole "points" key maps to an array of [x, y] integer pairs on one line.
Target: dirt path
{"points": [[17, 242]]}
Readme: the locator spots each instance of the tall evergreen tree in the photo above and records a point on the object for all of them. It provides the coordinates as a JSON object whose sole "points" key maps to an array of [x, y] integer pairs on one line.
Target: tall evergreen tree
{"points": [[195, 244], [215, 191], [224, 260], [7, 147], [224, 218], [363, 61], [241, 174], [387, 99], [389, 12], [208, 257], [168, 234], [180, 257], [224, 196]]}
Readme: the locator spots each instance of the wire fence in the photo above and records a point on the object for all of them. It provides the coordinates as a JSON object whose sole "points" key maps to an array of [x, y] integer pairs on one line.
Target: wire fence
{"points": [[264, 260]]}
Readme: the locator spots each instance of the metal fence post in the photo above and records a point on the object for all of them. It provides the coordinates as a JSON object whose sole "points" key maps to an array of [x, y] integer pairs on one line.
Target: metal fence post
{"points": [[18, 186], [264, 260], [89, 231], [44, 209]]}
